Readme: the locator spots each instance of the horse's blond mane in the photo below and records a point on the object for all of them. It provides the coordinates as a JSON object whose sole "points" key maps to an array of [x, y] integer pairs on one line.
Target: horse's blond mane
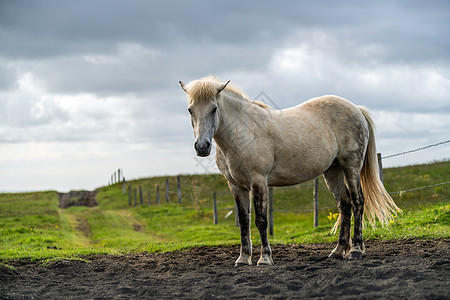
{"points": [[261, 104], [206, 88]]}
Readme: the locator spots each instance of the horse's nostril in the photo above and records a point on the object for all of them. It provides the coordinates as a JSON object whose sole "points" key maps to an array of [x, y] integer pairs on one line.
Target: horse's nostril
{"points": [[202, 147]]}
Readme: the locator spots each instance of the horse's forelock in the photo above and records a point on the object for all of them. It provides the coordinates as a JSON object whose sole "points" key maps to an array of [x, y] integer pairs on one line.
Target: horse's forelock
{"points": [[202, 90]]}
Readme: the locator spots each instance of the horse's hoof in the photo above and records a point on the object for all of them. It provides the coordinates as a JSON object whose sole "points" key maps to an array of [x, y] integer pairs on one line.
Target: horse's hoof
{"points": [[335, 256], [355, 255], [243, 260], [265, 261]]}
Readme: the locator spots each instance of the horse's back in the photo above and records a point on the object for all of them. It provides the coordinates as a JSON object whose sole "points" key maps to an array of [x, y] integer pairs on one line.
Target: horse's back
{"points": [[333, 112], [328, 106]]}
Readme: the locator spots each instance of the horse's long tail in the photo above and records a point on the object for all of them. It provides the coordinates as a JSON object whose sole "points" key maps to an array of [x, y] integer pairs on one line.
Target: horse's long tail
{"points": [[377, 201]]}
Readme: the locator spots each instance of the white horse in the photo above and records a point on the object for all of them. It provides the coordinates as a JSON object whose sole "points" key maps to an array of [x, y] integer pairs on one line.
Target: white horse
{"points": [[258, 146]]}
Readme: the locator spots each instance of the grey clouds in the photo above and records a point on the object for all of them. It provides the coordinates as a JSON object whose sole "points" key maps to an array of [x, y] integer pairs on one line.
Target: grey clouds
{"points": [[99, 74]]}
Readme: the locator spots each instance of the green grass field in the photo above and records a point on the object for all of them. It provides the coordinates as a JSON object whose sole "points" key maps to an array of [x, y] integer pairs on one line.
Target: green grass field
{"points": [[33, 226]]}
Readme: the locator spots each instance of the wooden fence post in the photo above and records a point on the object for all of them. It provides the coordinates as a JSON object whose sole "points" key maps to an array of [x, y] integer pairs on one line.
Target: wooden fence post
{"points": [[148, 192], [380, 166], [215, 207], [157, 194], [167, 190], [118, 175], [316, 202], [135, 197], [179, 189], [270, 210], [129, 195], [124, 186], [140, 195]]}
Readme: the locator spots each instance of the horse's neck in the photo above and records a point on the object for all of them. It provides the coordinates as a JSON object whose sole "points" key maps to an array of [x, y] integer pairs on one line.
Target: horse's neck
{"points": [[239, 120], [233, 111]]}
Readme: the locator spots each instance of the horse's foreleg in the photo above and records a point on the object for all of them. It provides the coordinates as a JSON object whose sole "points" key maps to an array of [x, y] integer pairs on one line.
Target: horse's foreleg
{"points": [[242, 200], [259, 193]]}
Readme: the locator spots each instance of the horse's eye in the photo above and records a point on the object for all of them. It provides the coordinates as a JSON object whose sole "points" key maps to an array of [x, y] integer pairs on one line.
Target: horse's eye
{"points": [[190, 111], [214, 110]]}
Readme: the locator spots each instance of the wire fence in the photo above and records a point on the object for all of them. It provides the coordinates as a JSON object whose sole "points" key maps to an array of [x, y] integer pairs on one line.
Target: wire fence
{"points": [[420, 188], [415, 150]]}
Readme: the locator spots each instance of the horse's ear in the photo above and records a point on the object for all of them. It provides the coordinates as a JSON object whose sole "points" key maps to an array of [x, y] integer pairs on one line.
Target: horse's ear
{"points": [[183, 86], [222, 87]]}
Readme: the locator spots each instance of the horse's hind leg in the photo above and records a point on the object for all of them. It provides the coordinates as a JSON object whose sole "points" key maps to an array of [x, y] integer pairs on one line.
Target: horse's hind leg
{"points": [[358, 244], [241, 197], [259, 193], [352, 175], [334, 178]]}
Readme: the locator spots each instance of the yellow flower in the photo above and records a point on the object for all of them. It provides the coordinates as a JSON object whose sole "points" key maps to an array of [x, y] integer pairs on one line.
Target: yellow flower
{"points": [[391, 222], [330, 216], [335, 216], [56, 226]]}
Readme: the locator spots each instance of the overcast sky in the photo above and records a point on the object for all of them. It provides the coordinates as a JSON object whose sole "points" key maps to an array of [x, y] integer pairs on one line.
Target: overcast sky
{"points": [[87, 87]]}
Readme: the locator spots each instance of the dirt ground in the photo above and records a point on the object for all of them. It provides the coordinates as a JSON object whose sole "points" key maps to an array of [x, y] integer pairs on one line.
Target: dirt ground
{"points": [[401, 269]]}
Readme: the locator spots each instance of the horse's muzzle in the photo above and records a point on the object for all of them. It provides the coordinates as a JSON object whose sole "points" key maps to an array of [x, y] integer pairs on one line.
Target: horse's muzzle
{"points": [[203, 148]]}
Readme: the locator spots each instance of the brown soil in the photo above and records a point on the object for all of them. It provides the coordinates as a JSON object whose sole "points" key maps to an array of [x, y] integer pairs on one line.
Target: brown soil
{"points": [[400, 269], [83, 226]]}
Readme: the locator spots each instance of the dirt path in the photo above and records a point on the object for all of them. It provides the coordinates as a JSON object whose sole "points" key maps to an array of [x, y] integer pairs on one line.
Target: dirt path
{"points": [[403, 269]]}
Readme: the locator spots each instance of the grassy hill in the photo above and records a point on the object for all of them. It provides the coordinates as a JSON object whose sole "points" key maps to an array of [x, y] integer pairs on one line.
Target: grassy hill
{"points": [[32, 225]]}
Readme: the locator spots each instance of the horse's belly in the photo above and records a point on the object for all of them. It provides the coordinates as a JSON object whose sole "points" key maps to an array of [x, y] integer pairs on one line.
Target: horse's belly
{"points": [[300, 168], [290, 176]]}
